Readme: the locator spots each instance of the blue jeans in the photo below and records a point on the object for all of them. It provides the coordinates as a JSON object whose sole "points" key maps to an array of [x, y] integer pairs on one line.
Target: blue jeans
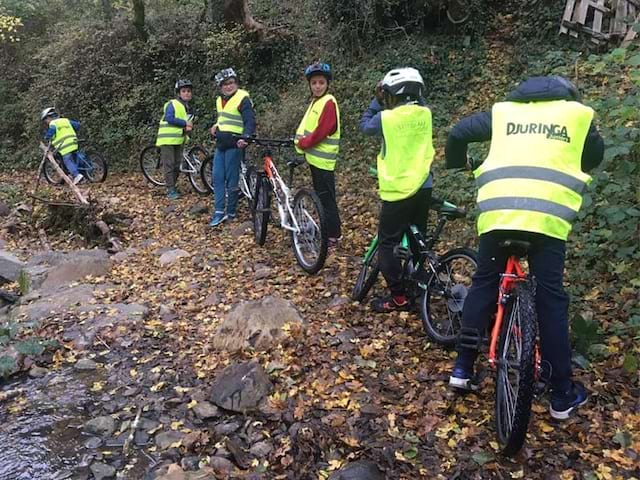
{"points": [[226, 175], [71, 162]]}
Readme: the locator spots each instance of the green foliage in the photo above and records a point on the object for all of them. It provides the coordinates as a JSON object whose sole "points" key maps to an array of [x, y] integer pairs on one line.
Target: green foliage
{"points": [[31, 347], [7, 366], [585, 334]]}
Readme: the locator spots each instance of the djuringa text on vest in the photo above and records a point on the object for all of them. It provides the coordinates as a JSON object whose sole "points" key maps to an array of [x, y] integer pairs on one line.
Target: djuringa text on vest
{"points": [[551, 130]]}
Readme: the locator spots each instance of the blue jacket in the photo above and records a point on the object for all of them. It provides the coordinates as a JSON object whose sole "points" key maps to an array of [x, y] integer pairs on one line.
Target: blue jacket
{"points": [[477, 127], [226, 140], [170, 115], [51, 131], [371, 125]]}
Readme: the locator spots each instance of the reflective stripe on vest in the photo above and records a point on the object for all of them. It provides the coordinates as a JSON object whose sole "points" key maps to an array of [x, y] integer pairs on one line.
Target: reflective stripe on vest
{"points": [[324, 154], [405, 158], [229, 117], [532, 178], [65, 139], [169, 134]]}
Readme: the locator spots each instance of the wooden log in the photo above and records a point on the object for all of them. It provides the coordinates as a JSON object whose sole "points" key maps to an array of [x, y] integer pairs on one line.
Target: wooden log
{"points": [[76, 191]]}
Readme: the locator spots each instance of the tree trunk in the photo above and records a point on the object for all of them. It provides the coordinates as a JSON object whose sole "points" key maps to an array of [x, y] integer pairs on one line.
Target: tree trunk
{"points": [[107, 10], [138, 18], [237, 11]]}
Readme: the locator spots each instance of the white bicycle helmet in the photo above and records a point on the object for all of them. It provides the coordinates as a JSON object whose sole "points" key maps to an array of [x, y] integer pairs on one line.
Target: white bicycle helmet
{"points": [[48, 112], [403, 81], [225, 74]]}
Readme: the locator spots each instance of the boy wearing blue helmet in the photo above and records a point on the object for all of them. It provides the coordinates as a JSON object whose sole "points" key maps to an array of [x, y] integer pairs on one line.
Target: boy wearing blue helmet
{"points": [[318, 138]]}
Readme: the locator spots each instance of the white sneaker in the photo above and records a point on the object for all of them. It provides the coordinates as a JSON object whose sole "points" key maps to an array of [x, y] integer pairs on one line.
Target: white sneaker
{"points": [[78, 178]]}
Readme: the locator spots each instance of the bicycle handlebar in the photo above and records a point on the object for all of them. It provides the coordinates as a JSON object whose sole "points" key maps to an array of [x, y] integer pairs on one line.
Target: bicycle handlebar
{"points": [[266, 142]]}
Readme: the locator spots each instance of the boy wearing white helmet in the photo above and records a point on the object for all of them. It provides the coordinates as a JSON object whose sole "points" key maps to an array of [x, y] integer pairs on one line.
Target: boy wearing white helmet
{"points": [[235, 118], [63, 134], [175, 124], [398, 114]]}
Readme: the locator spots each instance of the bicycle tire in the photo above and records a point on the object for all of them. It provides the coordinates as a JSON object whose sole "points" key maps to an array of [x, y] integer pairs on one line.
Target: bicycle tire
{"points": [[251, 177], [517, 335], [367, 276], [443, 299], [310, 244], [198, 156], [99, 170], [261, 211], [206, 173], [50, 174], [151, 165]]}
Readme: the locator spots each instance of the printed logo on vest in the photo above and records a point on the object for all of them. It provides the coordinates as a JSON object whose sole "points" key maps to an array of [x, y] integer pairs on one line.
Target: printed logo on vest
{"points": [[552, 131]]}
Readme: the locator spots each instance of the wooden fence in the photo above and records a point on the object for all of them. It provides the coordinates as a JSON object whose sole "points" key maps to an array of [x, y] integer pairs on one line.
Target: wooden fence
{"points": [[603, 20]]}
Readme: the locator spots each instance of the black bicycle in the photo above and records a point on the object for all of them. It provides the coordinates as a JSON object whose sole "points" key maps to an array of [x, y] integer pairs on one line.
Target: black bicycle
{"points": [[440, 283], [91, 164]]}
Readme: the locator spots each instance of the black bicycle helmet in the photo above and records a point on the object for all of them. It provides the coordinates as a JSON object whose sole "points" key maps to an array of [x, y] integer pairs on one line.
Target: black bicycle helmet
{"points": [[569, 85], [318, 68], [182, 84]]}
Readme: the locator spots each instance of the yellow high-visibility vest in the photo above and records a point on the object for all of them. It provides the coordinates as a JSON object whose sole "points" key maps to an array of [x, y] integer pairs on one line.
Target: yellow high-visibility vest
{"points": [[324, 154], [65, 139], [229, 117], [171, 134], [532, 178], [407, 151]]}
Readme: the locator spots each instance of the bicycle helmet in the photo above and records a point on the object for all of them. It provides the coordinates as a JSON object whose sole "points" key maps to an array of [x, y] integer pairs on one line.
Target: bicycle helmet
{"points": [[318, 68], [225, 74], [403, 81], [48, 112], [568, 84], [182, 84]]}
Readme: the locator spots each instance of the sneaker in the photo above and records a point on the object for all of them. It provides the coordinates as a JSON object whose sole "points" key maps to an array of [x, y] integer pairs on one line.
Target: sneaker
{"points": [[563, 404], [217, 219], [172, 194], [462, 379], [389, 304], [230, 216], [78, 178]]}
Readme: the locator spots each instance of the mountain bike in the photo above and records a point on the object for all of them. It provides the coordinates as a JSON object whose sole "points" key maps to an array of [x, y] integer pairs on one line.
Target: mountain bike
{"points": [[192, 160], [91, 164], [514, 350], [247, 182], [300, 214], [440, 283]]}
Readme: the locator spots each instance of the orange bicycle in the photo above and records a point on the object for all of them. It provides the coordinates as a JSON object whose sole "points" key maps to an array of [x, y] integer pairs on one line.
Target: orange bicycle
{"points": [[514, 351]]}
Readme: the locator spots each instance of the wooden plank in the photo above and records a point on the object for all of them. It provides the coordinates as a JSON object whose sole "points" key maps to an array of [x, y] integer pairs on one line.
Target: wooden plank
{"points": [[631, 34], [597, 17], [580, 13], [49, 157], [568, 11], [618, 25]]}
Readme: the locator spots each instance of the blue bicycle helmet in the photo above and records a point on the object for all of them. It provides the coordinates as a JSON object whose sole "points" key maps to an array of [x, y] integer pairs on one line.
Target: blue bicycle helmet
{"points": [[570, 86], [318, 68]]}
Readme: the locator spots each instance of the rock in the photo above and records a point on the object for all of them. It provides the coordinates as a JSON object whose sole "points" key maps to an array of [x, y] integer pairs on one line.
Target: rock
{"points": [[221, 466], [241, 387], [170, 208], [164, 440], [54, 269], [93, 442], [212, 299], [226, 428], [361, 470], [36, 308], [199, 209], [10, 267], [190, 463], [262, 272], [171, 256], [261, 449], [37, 372], [102, 470], [104, 426], [85, 364], [5, 210], [167, 314], [257, 324], [337, 302], [122, 256], [10, 361], [204, 410]]}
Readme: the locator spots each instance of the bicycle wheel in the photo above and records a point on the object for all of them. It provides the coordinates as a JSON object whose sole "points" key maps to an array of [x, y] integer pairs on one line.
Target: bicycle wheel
{"points": [[197, 156], [368, 275], [311, 241], [442, 302], [50, 173], [262, 211], [96, 166], [206, 173], [251, 177], [152, 166], [516, 368]]}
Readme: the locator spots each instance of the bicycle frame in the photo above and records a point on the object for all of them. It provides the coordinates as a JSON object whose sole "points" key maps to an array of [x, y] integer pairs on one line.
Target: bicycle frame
{"points": [[282, 194]]}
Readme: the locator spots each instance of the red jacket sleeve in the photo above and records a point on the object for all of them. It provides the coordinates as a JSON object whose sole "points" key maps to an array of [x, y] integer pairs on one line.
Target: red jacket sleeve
{"points": [[327, 125]]}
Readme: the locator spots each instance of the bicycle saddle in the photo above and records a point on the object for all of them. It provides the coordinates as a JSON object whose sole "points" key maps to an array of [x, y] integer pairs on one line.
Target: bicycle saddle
{"points": [[518, 248], [295, 162], [447, 209]]}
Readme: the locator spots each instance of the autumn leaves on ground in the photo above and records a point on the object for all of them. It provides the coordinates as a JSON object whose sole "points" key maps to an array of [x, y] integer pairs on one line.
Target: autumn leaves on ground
{"points": [[351, 385]]}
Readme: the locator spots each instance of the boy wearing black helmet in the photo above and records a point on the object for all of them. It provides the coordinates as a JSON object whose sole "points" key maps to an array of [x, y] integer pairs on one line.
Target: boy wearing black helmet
{"points": [[399, 116], [175, 124], [318, 138]]}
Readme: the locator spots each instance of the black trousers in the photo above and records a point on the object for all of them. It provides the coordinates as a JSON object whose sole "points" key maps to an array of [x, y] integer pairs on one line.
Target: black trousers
{"points": [[394, 219], [546, 263], [324, 184]]}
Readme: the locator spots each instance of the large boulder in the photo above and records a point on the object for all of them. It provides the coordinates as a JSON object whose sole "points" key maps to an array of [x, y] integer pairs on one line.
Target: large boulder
{"points": [[256, 324], [56, 269], [241, 387], [10, 267], [361, 470]]}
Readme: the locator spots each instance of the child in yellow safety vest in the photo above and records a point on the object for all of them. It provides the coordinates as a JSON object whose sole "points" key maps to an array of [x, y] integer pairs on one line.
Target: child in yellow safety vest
{"points": [[318, 137], [63, 135]]}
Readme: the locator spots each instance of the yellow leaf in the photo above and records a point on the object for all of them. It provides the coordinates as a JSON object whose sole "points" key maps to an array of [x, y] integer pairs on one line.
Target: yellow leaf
{"points": [[192, 403], [133, 372], [158, 386], [546, 428], [334, 465], [352, 442], [176, 425], [97, 386], [518, 474]]}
